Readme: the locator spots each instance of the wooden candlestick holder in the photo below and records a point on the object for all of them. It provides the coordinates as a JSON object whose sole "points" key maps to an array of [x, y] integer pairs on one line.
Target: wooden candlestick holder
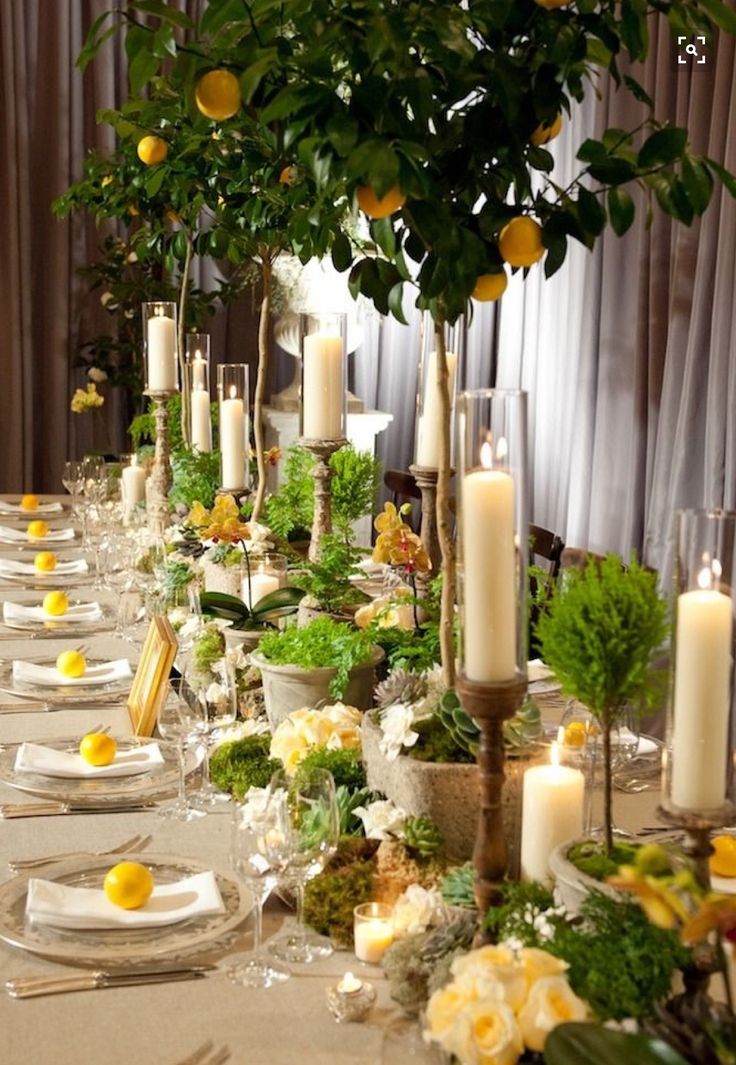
{"points": [[490, 704], [161, 476], [323, 450], [426, 481]]}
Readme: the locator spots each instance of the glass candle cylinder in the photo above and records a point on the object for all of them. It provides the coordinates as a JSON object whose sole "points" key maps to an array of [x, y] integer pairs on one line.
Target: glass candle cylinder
{"points": [[427, 425], [492, 535], [232, 390], [132, 483], [699, 752], [261, 575], [197, 364], [160, 346], [373, 931], [323, 344]]}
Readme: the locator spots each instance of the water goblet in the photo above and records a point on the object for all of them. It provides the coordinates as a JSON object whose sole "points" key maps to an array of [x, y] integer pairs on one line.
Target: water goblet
{"points": [[258, 858], [310, 826], [180, 721], [217, 692], [73, 480]]}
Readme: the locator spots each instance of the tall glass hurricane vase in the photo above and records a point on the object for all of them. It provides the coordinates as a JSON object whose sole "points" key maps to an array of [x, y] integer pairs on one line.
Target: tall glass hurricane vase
{"points": [[698, 783]]}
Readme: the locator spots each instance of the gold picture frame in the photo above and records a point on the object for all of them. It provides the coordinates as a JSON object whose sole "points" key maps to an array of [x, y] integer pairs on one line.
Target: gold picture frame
{"points": [[148, 690]]}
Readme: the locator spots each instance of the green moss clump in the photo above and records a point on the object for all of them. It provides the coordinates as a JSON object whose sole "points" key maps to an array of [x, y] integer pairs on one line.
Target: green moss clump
{"points": [[590, 858], [346, 766], [329, 899], [240, 765], [437, 744]]}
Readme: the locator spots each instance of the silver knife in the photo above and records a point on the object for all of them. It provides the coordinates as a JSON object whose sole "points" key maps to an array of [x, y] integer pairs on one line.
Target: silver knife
{"points": [[10, 810], [34, 986]]}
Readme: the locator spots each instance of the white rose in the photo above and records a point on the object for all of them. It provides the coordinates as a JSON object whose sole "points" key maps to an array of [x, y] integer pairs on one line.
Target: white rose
{"points": [[485, 1033], [381, 820], [397, 730], [258, 533], [249, 727], [288, 745], [416, 910], [551, 1002]]}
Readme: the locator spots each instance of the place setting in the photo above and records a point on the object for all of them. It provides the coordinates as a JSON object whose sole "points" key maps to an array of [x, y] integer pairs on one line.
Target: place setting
{"points": [[45, 571], [59, 613]]}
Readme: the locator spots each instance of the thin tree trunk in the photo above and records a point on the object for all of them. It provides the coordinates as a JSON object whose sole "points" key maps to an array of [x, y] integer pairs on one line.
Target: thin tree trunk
{"points": [[263, 323], [607, 782], [186, 402], [447, 547]]}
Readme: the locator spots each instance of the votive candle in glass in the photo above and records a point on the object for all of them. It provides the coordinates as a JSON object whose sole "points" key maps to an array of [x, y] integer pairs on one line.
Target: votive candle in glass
{"points": [[232, 388], [323, 339], [261, 575], [373, 931], [428, 420], [197, 361], [553, 806]]}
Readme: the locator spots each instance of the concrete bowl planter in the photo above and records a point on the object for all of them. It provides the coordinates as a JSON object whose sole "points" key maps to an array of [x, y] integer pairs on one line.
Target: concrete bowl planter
{"points": [[220, 578], [247, 639], [572, 886], [287, 688], [445, 792]]}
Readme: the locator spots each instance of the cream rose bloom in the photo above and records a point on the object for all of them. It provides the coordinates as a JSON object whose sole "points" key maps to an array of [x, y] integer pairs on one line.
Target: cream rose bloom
{"points": [[492, 972], [485, 1033], [336, 727], [444, 1009], [551, 1002], [536, 963]]}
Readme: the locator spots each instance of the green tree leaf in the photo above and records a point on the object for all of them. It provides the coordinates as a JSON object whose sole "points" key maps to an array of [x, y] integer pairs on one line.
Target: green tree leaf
{"points": [[662, 147], [590, 1044], [621, 210]]}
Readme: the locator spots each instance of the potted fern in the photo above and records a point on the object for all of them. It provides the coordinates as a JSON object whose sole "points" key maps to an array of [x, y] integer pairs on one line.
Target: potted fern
{"points": [[599, 633]]}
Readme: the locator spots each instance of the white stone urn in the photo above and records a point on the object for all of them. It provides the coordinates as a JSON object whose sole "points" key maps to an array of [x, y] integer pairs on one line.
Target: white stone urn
{"points": [[572, 886]]}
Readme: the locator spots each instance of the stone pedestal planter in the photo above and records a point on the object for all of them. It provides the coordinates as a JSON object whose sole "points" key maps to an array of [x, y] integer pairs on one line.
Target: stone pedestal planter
{"points": [[447, 793], [288, 688]]}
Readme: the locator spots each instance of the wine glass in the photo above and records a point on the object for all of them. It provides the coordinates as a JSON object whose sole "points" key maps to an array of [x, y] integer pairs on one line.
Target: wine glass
{"points": [[73, 480], [217, 692], [311, 831], [180, 720], [257, 856]]}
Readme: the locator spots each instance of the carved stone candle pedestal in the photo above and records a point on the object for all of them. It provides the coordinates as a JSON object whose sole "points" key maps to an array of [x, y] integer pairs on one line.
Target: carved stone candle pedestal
{"points": [[323, 450]]}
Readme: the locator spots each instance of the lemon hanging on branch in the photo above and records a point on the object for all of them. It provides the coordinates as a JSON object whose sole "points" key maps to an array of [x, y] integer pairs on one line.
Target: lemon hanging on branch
{"points": [[544, 133], [489, 287], [218, 95], [379, 206], [520, 242], [152, 150]]}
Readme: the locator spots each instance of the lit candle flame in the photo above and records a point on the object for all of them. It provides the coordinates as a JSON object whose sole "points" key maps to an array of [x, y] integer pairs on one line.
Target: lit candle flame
{"points": [[233, 392], [198, 356], [502, 448], [486, 455], [708, 574]]}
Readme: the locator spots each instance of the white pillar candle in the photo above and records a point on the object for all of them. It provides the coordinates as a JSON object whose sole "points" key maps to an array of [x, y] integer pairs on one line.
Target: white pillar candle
{"points": [[323, 393], [489, 576], [428, 429], [701, 698], [261, 584], [201, 421], [161, 353], [133, 485], [552, 812], [373, 937], [232, 441], [198, 367]]}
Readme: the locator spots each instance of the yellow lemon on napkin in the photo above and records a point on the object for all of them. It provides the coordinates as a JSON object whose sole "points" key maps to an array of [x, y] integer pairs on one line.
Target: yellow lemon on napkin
{"points": [[129, 885], [71, 664], [98, 748], [723, 861], [38, 529], [29, 502], [45, 561], [56, 603]]}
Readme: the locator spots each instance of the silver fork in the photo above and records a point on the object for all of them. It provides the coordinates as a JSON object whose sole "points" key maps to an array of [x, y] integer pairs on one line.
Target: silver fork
{"points": [[207, 1054], [135, 843]]}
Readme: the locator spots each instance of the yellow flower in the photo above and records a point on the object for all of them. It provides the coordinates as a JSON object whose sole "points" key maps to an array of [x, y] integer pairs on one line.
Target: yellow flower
{"points": [[551, 1002], [444, 1008], [86, 400], [492, 972], [389, 519], [222, 523], [717, 913], [662, 906], [486, 1033], [336, 727], [536, 964]]}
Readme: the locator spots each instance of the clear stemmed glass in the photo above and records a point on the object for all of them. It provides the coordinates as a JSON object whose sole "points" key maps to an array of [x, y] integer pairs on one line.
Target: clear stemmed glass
{"points": [[181, 719], [257, 856], [73, 480], [311, 831], [218, 696]]}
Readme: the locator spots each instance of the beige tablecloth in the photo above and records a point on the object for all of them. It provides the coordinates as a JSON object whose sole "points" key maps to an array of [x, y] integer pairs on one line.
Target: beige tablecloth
{"points": [[157, 1025]]}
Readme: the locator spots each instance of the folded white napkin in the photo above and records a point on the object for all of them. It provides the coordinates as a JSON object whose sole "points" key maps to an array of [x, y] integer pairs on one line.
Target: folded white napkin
{"points": [[50, 677], [536, 670], [34, 758], [644, 745], [79, 612], [42, 508], [21, 569], [72, 907], [20, 536]]}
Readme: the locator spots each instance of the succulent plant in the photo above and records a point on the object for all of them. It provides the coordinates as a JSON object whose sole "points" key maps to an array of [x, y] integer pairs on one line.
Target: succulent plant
{"points": [[522, 730], [416, 965], [400, 686], [421, 836], [457, 886]]}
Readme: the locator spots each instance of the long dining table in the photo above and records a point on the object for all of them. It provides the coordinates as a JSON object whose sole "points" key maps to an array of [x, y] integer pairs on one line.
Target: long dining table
{"points": [[163, 1023]]}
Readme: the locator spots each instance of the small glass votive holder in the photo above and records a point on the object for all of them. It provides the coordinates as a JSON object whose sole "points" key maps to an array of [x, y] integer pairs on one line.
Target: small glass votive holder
{"points": [[197, 369], [350, 1000], [233, 394], [373, 931], [160, 347], [261, 575]]}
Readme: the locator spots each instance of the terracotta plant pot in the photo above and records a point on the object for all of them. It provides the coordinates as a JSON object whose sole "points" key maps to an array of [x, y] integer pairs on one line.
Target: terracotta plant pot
{"points": [[446, 792], [288, 688]]}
